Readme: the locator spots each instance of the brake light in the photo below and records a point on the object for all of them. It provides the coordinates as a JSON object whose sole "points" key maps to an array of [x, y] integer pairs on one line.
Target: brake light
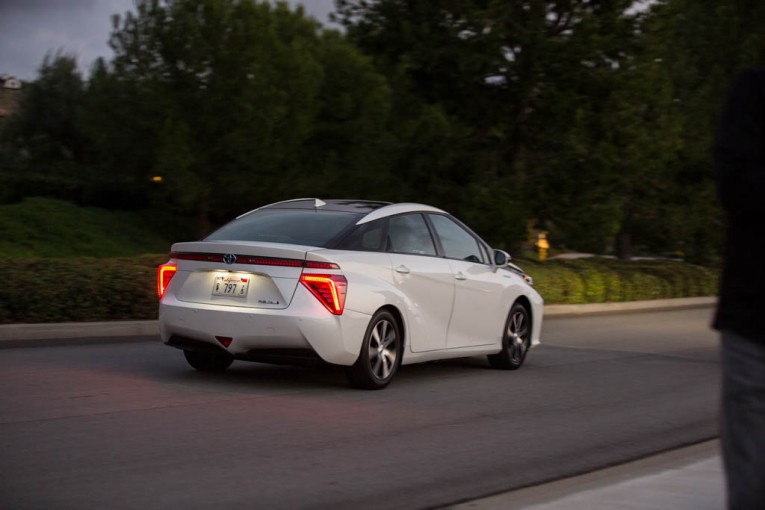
{"points": [[311, 264], [329, 289], [164, 273]]}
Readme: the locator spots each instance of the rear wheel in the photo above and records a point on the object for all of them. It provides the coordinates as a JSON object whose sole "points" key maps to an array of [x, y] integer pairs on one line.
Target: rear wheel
{"points": [[516, 340], [208, 361], [380, 354]]}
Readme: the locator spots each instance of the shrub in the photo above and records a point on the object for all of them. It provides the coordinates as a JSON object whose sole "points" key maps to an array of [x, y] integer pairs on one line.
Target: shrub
{"points": [[595, 280], [85, 289], [89, 289]]}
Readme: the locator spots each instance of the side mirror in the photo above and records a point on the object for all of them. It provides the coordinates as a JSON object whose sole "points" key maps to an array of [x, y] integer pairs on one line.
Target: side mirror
{"points": [[501, 258]]}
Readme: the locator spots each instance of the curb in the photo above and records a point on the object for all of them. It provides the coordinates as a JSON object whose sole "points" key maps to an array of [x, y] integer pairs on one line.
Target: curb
{"points": [[13, 335], [68, 330], [671, 471], [628, 306]]}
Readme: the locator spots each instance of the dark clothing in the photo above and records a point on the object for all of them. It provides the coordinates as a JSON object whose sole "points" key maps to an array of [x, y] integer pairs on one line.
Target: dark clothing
{"points": [[740, 168], [742, 428]]}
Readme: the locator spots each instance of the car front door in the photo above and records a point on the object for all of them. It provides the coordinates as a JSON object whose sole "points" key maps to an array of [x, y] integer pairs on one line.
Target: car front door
{"points": [[477, 315]]}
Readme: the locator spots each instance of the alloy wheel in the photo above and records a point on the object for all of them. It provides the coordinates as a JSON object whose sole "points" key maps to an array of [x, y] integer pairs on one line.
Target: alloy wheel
{"points": [[517, 335], [383, 349]]}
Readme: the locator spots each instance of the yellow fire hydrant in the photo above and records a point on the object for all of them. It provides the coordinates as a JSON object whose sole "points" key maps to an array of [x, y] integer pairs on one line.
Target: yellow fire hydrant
{"points": [[542, 245]]}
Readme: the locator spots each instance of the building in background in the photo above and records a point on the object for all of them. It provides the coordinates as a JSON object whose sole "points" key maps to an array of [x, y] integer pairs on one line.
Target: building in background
{"points": [[10, 96]]}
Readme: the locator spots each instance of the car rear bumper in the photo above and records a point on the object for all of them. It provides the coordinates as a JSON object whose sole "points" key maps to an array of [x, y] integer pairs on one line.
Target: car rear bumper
{"points": [[256, 334]]}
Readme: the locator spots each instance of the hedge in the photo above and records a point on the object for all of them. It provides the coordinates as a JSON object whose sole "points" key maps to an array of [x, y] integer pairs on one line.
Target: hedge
{"points": [[83, 289], [89, 289], [599, 280]]}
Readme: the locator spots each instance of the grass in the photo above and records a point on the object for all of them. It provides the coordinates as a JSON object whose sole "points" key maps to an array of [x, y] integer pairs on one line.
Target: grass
{"points": [[43, 227]]}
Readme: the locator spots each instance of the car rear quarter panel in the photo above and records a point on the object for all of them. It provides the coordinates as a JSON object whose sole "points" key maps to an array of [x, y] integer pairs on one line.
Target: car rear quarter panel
{"points": [[369, 276]]}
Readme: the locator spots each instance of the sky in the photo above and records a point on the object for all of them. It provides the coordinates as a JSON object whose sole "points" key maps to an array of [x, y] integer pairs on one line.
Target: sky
{"points": [[31, 28]]}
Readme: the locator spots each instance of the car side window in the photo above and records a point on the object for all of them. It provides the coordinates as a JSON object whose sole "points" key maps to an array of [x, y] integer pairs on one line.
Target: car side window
{"points": [[366, 237], [409, 234], [457, 242]]}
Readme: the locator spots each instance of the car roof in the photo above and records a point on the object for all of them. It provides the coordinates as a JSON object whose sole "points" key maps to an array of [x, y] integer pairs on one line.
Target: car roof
{"points": [[338, 205], [372, 210], [390, 210]]}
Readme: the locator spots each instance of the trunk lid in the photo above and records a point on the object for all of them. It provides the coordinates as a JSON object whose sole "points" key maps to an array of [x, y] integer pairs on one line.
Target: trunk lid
{"points": [[241, 273]]}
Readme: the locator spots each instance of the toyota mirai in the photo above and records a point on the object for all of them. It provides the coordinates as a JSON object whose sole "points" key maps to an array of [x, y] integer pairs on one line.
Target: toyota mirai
{"points": [[361, 284]]}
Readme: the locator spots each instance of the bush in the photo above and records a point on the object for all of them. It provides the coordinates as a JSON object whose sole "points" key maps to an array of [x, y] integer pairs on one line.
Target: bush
{"points": [[89, 289], [85, 289], [597, 280]]}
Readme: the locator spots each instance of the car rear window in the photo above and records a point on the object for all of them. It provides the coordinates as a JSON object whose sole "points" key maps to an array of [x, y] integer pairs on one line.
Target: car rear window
{"points": [[291, 226]]}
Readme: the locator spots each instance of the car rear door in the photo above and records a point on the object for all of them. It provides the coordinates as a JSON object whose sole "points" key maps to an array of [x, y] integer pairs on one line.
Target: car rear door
{"points": [[425, 279]]}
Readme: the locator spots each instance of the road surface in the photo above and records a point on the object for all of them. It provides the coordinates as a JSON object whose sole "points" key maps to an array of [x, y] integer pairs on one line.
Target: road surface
{"points": [[129, 425]]}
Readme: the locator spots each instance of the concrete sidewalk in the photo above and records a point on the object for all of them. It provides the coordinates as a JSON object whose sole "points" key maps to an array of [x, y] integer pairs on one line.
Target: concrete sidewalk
{"points": [[689, 478]]}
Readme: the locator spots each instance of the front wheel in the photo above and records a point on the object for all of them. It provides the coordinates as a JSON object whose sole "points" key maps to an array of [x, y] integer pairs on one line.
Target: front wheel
{"points": [[380, 354], [208, 361], [516, 340]]}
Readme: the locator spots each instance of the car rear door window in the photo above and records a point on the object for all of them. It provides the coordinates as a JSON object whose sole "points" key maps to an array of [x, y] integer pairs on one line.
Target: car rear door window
{"points": [[409, 234], [457, 242], [366, 237]]}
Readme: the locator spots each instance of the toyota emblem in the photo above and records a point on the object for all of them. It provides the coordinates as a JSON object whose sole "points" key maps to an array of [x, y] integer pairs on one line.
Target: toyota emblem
{"points": [[229, 258]]}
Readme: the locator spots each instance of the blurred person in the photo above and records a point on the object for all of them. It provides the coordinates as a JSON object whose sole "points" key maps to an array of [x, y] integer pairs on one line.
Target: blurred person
{"points": [[740, 315]]}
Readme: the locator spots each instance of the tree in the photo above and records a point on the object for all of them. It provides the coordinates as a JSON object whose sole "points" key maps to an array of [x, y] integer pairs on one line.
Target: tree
{"points": [[526, 91], [703, 44], [243, 103], [42, 146]]}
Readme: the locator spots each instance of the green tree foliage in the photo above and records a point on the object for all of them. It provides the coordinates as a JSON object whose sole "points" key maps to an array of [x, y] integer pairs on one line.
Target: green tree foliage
{"points": [[121, 120], [591, 120], [538, 104], [42, 148], [703, 44], [344, 150], [242, 103], [233, 103]]}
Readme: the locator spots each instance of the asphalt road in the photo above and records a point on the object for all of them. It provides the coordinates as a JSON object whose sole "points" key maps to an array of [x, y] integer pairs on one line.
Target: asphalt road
{"points": [[129, 425]]}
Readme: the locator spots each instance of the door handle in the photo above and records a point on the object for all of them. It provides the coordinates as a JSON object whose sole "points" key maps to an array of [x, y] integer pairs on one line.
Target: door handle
{"points": [[402, 269], [460, 276]]}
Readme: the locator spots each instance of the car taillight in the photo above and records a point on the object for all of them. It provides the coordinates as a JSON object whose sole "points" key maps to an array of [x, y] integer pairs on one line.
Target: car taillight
{"points": [[164, 273], [329, 289]]}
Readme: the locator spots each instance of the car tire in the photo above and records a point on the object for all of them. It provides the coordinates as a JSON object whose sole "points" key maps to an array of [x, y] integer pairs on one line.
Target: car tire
{"points": [[208, 361], [516, 340], [380, 354]]}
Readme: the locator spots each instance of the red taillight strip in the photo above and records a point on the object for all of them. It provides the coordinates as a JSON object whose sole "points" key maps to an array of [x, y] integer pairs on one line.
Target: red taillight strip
{"points": [[268, 261], [204, 257], [165, 273], [259, 261]]}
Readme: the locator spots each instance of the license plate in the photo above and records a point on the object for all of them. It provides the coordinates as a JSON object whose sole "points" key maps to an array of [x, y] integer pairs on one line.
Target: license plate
{"points": [[231, 285]]}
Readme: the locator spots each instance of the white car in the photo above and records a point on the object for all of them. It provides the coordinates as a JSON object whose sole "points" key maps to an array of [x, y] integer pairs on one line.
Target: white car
{"points": [[366, 285]]}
